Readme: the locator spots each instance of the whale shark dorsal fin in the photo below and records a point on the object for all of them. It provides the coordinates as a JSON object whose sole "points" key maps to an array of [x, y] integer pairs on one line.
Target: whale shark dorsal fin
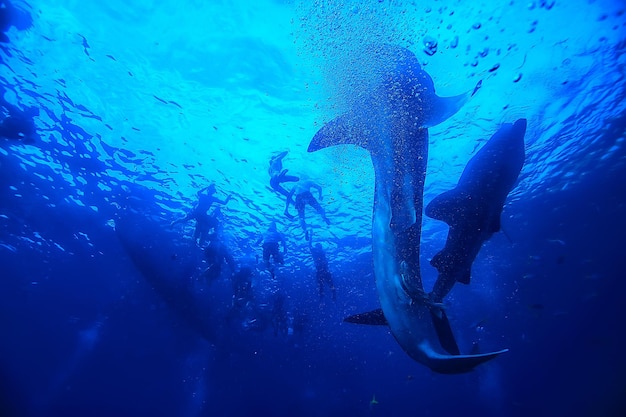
{"points": [[444, 331], [346, 129], [371, 318], [442, 108]]}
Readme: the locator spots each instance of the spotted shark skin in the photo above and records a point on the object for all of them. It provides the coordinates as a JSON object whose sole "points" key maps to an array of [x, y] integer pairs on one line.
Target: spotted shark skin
{"points": [[473, 208], [391, 121]]}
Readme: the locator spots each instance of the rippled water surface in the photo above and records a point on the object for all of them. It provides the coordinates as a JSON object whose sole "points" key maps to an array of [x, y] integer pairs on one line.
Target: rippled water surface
{"points": [[143, 103]]}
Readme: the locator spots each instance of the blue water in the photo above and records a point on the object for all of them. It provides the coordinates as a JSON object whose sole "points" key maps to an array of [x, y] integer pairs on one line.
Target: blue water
{"points": [[143, 103]]}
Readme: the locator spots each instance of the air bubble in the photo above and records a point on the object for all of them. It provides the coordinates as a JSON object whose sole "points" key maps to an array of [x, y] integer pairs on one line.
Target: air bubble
{"points": [[430, 45]]}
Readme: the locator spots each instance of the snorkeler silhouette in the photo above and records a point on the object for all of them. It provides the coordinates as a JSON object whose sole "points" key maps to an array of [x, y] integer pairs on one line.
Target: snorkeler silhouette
{"points": [[324, 277], [279, 175], [271, 240], [216, 255], [279, 315], [204, 222], [302, 191], [242, 287]]}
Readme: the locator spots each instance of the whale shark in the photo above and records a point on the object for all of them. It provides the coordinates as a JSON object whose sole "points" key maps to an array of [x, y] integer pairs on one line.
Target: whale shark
{"points": [[168, 267], [474, 207], [391, 121]]}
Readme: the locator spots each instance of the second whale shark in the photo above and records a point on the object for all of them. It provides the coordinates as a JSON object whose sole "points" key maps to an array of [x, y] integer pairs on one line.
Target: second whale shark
{"points": [[473, 208], [391, 122]]}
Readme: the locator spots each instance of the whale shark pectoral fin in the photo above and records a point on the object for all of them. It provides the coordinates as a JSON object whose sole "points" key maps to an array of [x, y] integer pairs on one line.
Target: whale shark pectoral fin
{"points": [[371, 318], [444, 331], [455, 364], [445, 206], [443, 108], [457, 207], [346, 129]]}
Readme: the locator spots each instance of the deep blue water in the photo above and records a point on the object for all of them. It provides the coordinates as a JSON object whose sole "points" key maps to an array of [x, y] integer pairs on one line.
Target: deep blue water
{"points": [[143, 103]]}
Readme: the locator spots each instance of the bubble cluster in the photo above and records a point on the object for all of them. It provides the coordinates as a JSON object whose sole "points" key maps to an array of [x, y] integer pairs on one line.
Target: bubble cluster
{"points": [[430, 45]]}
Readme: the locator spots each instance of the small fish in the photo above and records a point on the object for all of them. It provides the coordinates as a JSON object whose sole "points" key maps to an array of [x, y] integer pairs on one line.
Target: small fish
{"points": [[559, 241]]}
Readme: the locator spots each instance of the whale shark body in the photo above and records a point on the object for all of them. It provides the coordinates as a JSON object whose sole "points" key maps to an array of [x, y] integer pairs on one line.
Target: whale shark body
{"points": [[391, 123], [168, 268], [474, 207]]}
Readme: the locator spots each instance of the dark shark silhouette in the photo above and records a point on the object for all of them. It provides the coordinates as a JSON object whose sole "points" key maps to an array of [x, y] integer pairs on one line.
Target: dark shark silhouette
{"points": [[474, 207], [168, 268], [391, 122]]}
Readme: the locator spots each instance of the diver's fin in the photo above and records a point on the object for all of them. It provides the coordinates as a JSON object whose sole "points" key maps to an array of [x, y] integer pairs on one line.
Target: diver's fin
{"points": [[444, 332], [372, 318]]}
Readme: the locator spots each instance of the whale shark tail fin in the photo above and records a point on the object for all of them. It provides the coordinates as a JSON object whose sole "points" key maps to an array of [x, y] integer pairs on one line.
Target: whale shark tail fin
{"points": [[457, 364], [443, 108]]}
